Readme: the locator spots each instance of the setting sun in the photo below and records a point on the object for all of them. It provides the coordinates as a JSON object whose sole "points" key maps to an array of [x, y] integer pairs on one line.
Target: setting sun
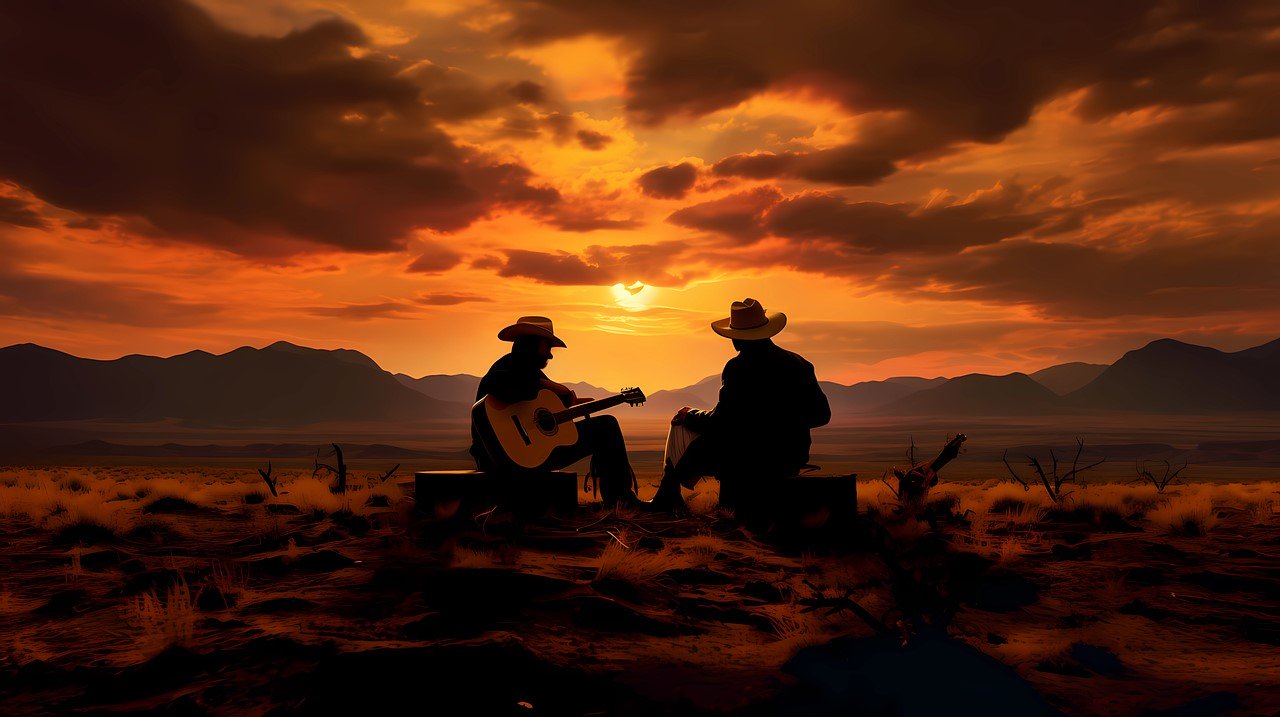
{"points": [[635, 296]]}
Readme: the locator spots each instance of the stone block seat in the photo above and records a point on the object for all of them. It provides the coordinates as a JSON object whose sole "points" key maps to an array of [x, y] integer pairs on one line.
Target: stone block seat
{"points": [[809, 509], [465, 492]]}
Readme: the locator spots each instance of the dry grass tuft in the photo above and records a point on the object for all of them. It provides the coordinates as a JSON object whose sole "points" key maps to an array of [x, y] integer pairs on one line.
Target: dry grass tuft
{"points": [[461, 557], [1261, 513], [1190, 515], [229, 576], [83, 531], [703, 548], [633, 566], [312, 495], [877, 498], [163, 622], [797, 631], [705, 499], [1010, 549]]}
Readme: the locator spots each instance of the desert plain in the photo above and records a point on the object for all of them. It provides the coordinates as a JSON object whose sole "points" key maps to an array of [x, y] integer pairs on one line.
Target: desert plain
{"points": [[161, 575]]}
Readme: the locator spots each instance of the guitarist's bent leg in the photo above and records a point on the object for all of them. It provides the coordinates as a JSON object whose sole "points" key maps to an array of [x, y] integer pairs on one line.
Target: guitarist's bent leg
{"points": [[601, 438]]}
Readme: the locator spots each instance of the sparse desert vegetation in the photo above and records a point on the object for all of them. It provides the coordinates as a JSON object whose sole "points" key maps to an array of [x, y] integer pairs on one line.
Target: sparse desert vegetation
{"points": [[134, 570]]}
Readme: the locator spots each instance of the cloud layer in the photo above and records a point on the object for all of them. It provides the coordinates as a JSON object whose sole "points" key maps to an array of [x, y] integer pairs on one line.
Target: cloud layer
{"points": [[151, 111]]}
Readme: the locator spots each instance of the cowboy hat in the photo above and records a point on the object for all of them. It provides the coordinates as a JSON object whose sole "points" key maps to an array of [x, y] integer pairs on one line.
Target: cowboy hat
{"points": [[531, 326], [747, 320]]}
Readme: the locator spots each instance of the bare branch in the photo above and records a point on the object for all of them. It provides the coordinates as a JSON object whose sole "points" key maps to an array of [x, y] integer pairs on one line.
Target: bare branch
{"points": [[883, 479], [1048, 487], [266, 477], [1023, 483], [1074, 471]]}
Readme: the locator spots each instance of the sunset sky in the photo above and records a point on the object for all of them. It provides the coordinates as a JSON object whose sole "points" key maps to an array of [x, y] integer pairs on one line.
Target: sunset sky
{"points": [[925, 188]]}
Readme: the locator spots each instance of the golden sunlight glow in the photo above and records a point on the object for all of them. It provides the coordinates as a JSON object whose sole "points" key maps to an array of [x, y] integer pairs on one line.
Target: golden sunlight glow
{"points": [[635, 297], [831, 125], [586, 68]]}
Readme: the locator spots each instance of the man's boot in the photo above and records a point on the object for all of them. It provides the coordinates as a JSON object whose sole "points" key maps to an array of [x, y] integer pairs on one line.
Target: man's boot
{"points": [[668, 499], [616, 491]]}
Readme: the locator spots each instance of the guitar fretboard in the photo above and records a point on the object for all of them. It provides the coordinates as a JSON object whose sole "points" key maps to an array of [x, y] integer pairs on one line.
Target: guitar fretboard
{"points": [[583, 409]]}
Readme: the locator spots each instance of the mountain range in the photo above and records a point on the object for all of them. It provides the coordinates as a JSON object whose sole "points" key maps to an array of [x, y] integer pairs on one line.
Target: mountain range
{"points": [[286, 384]]}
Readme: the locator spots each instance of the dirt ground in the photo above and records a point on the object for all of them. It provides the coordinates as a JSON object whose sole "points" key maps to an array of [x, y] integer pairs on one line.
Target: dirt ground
{"points": [[194, 590]]}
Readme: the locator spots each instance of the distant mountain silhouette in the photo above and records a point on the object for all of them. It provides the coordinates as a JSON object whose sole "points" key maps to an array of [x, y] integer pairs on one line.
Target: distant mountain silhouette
{"points": [[348, 355], [869, 395], [1172, 376], [350, 451], [286, 384], [1067, 377], [979, 394], [461, 387], [702, 394], [281, 384]]}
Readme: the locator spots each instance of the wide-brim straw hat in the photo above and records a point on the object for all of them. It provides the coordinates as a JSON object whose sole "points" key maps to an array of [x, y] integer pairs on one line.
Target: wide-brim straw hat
{"points": [[539, 326], [748, 320]]}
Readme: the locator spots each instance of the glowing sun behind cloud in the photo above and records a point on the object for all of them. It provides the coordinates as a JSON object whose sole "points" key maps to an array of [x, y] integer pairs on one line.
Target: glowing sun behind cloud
{"points": [[634, 297]]}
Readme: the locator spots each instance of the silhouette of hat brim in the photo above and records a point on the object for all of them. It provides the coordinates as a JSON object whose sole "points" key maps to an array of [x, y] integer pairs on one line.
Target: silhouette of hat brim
{"points": [[522, 328], [772, 325]]}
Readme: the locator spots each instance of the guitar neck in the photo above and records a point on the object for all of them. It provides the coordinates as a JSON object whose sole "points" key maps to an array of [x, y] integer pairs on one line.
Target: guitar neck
{"points": [[583, 409]]}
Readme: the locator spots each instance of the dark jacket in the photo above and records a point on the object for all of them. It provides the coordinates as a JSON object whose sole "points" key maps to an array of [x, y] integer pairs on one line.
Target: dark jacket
{"points": [[769, 399], [510, 379]]}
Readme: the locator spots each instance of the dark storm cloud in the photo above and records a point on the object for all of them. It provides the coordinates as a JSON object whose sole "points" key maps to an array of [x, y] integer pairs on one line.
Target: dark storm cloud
{"points": [[672, 182], [1171, 278], [65, 298], [879, 228], [945, 226], [583, 219], [849, 165], [149, 110], [926, 76], [593, 140], [1043, 246], [365, 312], [20, 213], [597, 266], [451, 94], [528, 92], [738, 216], [873, 341], [434, 258], [446, 299]]}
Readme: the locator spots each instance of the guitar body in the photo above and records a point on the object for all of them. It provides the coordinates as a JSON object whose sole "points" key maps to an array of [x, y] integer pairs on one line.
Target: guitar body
{"points": [[522, 435]]}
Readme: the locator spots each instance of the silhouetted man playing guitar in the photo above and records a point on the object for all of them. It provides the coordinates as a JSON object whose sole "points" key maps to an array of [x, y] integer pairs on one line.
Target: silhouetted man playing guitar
{"points": [[517, 377]]}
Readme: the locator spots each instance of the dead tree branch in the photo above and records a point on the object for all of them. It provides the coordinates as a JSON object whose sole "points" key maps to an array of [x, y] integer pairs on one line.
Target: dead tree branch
{"points": [[271, 482], [339, 486], [1166, 479], [1052, 481]]}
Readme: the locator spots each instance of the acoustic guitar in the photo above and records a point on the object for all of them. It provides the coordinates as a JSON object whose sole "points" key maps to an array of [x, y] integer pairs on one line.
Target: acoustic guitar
{"points": [[523, 434]]}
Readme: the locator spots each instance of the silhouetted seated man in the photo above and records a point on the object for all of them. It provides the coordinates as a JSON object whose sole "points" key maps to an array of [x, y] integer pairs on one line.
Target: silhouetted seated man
{"points": [[518, 376], [759, 430]]}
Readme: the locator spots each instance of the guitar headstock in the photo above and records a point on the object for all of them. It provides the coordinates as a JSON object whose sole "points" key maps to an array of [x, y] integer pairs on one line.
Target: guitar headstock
{"points": [[633, 396]]}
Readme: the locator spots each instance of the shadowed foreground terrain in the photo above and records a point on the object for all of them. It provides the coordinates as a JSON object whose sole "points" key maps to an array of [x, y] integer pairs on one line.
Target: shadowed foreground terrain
{"points": [[196, 590]]}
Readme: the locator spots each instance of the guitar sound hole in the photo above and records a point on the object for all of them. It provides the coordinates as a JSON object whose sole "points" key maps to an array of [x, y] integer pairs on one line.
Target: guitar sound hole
{"points": [[545, 421]]}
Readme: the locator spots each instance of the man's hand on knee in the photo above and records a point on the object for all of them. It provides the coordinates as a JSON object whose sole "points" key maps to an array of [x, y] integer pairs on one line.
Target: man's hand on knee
{"points": [[678, 419]]}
